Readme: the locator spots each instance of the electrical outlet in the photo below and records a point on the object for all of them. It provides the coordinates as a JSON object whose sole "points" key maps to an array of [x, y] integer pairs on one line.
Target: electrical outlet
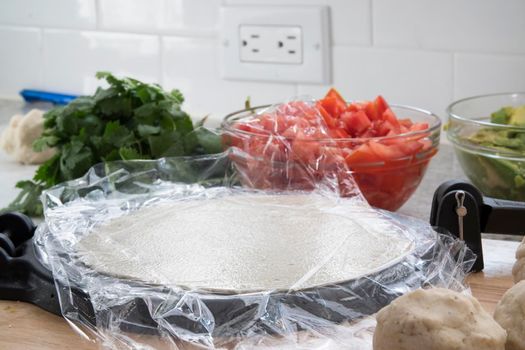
{"points": [[272, 44], [276, 43]]}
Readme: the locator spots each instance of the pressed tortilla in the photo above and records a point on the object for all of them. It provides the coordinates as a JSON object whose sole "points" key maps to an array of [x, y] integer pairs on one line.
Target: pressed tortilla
{"points": [[245, 242]]}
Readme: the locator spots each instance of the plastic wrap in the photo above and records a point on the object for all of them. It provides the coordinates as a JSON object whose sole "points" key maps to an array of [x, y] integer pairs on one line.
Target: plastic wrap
{"points": [[124, 311]]}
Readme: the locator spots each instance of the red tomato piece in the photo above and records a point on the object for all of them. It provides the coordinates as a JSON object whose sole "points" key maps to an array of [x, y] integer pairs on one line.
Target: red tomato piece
{"points": [[384, 152], [339, 133], [305, 150], [328, 118], [381, 105], [356, 106], [375, 109], [356, 122], [371, 111], [410, 147], [419, 126], [333, 93], [333, 106], [388, 115], [407, 123], [361, 155]]}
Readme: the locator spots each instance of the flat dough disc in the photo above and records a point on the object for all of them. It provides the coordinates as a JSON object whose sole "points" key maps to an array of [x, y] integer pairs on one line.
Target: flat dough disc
{"points": [[245, 242]]}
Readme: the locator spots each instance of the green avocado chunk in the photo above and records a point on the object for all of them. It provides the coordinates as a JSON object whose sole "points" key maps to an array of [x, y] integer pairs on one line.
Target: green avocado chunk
{"points": [[518, 116], [500, 117], [500, 172]]}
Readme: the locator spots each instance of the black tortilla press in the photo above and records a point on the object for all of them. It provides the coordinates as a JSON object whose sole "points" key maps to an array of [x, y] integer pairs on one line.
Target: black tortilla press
{"points": [[457, 208]]}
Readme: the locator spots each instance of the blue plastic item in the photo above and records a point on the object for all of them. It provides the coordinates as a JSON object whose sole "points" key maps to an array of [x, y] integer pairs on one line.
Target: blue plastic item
{"points": [[53, 97]]}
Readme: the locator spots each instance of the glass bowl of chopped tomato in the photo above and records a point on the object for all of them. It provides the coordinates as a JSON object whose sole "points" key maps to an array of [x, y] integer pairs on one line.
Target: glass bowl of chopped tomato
{"points": [[384, 149]]}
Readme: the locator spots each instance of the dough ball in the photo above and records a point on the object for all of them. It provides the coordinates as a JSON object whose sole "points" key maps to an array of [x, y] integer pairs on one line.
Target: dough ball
{"points": [[437, 319], [17, 139], [518, 270], [7, 141], [510, 314]]}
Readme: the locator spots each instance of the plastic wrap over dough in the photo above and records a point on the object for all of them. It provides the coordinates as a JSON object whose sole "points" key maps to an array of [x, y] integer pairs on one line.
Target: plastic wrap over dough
{"points": [[245, 242]]}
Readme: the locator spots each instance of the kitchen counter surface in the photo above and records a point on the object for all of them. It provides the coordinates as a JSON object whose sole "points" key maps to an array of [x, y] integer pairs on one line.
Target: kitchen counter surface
{"points": [[23, 326]]}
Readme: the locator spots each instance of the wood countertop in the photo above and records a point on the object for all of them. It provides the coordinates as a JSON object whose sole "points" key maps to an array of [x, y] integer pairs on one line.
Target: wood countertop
{"points": [[24, 326]]}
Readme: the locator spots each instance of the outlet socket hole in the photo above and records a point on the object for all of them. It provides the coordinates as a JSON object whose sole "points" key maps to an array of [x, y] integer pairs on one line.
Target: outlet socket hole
{"points": [[280, 44]]}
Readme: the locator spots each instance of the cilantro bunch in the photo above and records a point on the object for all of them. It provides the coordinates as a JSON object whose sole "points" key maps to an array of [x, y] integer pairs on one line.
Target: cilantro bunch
{"points": [[127, 120]]}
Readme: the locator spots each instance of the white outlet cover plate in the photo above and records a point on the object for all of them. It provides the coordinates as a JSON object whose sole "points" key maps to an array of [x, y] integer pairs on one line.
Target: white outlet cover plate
{"points": [[315, 65]]}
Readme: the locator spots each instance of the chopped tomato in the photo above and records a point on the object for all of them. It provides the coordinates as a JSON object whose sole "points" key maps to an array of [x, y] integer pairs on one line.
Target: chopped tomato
{"points": [[410, 147], [375, 109], [333, 93], [333, 106], [384, 152], [328, 118], [356, 106], [381, 104], [339, 133], [419, 127], [371, 111], [407, 123], [362, 155], [389, 116], [355, 122], [284, 150]]}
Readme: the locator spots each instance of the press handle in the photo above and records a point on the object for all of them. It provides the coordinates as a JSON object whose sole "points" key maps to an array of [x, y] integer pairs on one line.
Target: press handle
{"points": [[16, 227], [503, 216]]}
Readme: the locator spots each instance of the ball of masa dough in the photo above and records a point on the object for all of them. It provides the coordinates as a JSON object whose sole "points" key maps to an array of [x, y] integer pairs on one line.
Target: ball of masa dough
{"points": [[518, 270], [437, 319], [510, 314]]}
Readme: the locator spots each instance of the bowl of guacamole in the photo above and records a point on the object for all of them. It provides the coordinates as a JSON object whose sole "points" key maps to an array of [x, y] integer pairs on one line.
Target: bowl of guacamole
{"points": [[488, 134]]}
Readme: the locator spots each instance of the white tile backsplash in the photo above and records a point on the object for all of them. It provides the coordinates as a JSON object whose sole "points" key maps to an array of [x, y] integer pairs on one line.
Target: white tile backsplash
{"points": [[455, 25], [19, 59], [192, 65], [481, 74], [71, 58], [75, 14], [417, 52], [197, 17], [415, 78]]}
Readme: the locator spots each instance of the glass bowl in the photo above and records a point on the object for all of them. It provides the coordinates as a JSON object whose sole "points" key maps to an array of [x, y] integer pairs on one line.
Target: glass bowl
{"points": [[491, 155], [387, 176]]}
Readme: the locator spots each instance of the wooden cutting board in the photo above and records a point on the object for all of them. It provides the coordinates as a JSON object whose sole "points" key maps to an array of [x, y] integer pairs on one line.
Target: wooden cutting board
{"points": [[26, 327]]}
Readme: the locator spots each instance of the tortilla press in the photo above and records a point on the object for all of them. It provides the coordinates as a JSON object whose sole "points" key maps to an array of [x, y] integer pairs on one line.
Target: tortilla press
{"points": [[24, 278], [459, 208]]}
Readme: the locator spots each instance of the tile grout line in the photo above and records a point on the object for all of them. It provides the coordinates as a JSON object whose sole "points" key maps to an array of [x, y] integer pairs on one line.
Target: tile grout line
{"points": [[42, 61], [454, 76], [213, 34], [97, 15], [372, 22], [161, 61]]}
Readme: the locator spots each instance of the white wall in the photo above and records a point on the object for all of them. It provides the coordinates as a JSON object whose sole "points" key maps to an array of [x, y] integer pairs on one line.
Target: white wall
{"points": [[419, 52]]}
